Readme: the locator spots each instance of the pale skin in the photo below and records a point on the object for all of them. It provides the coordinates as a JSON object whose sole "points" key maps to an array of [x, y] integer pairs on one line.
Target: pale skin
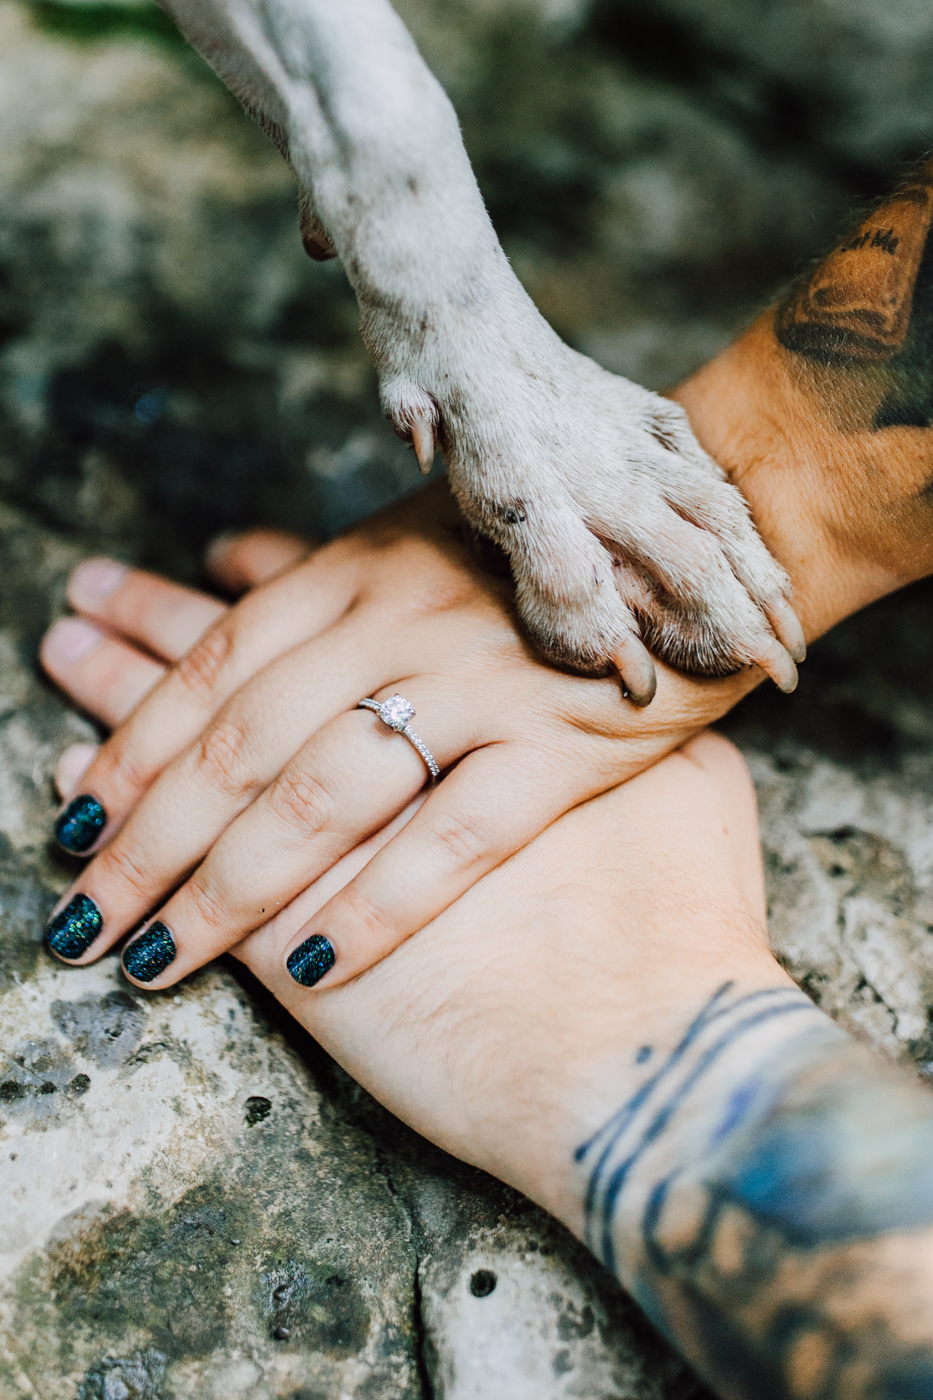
{"points": [[570, 1008], [599, 1020], [244, 772]]}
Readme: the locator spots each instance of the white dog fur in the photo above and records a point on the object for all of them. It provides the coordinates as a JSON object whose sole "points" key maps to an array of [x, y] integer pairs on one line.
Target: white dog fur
{"points": [[620, 529]]}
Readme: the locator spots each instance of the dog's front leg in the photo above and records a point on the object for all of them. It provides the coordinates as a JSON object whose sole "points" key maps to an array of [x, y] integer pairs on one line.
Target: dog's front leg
{"points": [[620, 529]]}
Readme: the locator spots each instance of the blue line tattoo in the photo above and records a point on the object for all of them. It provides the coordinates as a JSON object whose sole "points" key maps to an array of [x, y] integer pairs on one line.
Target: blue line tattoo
{"points": [[767, 1195]]}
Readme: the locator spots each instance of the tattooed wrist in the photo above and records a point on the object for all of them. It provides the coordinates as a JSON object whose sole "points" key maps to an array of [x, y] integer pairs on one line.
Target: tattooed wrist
{"points": [[870, 303], [766, 1193]]}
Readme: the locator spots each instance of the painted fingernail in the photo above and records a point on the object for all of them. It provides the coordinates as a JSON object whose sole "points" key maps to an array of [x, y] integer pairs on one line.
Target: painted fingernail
{"points": [[311, 960], [80, 824], [73, 931], [95, 579], [70, 640], [150, 953]]}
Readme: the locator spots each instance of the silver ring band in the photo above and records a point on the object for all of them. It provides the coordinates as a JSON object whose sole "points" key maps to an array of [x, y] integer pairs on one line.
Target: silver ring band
{"points": [[395, 713]]}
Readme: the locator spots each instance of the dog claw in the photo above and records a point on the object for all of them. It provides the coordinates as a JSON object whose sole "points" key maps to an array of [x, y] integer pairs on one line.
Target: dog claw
{"points": [[422, 436], [787, 628], [636, 667], [777, 663]]}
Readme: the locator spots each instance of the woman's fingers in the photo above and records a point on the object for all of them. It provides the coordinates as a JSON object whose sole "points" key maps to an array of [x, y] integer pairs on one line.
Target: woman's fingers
{"points": [[243, 749], [237, 562], [105, 676], [494, 802], [141, 608], [164, 617], [72, 764], [112, 680], [91, 657], [347, 783], [266, 624]]}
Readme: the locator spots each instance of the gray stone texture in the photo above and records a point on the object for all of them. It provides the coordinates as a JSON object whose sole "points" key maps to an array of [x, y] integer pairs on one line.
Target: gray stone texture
{"points": [[194, 1201]]}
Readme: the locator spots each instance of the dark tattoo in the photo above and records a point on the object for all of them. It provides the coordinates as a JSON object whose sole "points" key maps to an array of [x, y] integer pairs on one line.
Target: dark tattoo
{"points": [[767, 1195], [871, 303]]}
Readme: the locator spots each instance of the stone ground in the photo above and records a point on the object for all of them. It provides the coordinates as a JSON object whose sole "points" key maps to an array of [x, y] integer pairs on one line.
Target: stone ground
{"points": [[195, 1201]]}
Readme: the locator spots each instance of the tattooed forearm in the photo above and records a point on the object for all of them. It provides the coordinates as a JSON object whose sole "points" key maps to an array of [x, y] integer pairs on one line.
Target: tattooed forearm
{"points": [[767, 1195], [870, 303]]}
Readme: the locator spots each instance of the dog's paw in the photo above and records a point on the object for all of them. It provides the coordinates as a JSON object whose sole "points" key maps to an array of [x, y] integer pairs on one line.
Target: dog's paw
{"points": [[706, 599], [625, 537]]}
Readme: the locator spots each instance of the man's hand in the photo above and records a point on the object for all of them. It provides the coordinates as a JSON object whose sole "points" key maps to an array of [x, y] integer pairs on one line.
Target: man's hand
{"points": [[599, 1022]]}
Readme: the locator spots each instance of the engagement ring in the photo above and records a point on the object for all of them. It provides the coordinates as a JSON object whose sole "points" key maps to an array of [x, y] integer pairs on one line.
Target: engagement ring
{"points": [[396, 713]]}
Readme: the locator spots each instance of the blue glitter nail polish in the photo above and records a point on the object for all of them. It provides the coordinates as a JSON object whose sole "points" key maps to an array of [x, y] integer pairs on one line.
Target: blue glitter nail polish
{"points": [[310, 960], [150, 953], [80, 824], [73, 931]]}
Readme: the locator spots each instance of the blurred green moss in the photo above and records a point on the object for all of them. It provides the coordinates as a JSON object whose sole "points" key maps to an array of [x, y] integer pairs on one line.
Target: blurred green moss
{"points": [[90, 22]]}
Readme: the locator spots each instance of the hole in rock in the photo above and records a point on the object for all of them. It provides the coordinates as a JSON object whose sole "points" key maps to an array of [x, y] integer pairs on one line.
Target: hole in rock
{"points": [[482, 1283]]}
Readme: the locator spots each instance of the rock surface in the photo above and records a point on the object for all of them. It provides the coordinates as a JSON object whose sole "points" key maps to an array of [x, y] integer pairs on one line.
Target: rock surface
{"points": [[194, 1200]]}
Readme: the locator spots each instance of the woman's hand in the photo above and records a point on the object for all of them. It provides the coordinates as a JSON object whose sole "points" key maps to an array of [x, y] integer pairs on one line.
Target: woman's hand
{"points": [[249, 754], [246, 770], [607, 926]]}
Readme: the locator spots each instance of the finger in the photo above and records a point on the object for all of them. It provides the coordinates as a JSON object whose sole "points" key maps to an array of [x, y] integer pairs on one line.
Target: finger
{"points": [[266, 624], [493, 803], [238, 561], [313, 898], [349, 782], [165, 618], [162, 616], [281, 928], [71, 767], [645, 810], [196, 798], [104, 676]]}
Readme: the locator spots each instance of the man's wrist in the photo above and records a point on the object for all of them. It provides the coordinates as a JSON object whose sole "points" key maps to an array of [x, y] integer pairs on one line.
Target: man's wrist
{"points": [[840, 510], [765, 1195], [822, 413]]}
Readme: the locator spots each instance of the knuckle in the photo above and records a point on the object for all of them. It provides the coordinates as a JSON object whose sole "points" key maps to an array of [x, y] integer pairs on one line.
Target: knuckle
{"points": [[423, 584], [458, 840], [208, 908], [124, 769], [200, 671], [118, 866], [370, 916], [301, 801], [224, 759], [441, 595]]}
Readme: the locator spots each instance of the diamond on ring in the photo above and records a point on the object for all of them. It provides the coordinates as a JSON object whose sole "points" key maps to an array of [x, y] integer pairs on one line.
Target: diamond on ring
{"points": [[396, 713]]}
